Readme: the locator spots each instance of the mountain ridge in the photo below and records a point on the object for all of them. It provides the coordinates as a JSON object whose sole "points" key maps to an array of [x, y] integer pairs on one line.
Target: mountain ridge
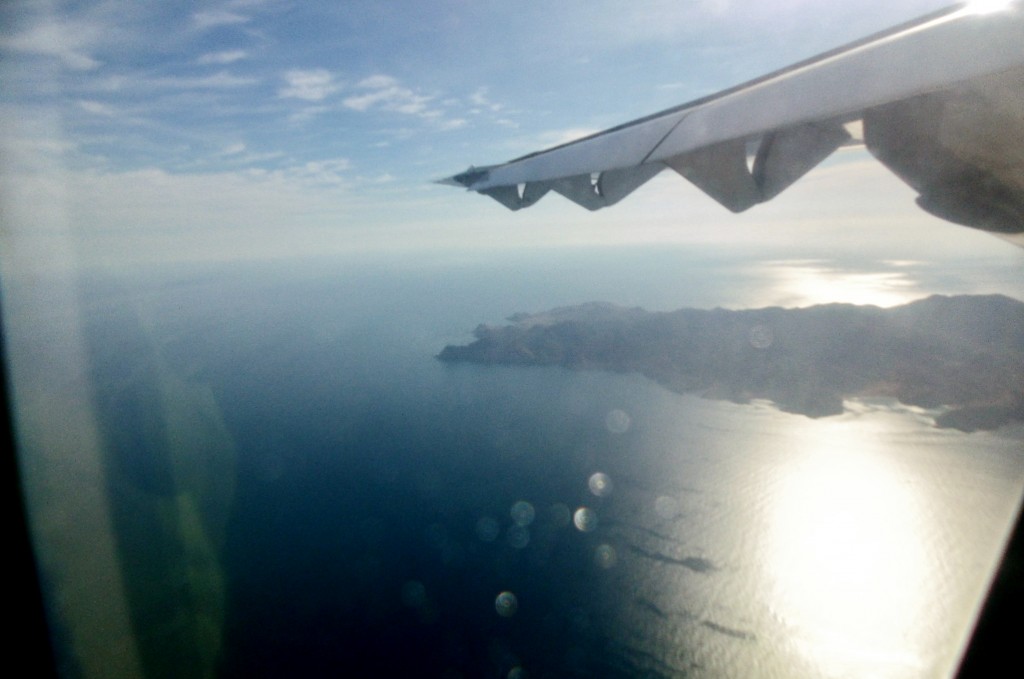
{"points": [[962, 354]]}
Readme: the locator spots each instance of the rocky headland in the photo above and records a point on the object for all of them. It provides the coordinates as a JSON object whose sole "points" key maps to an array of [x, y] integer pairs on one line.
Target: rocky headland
{"points": [[962, 356]]}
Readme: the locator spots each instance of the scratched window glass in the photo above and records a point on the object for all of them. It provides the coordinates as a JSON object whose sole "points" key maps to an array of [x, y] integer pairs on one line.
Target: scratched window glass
{"points": [[513, 339]]}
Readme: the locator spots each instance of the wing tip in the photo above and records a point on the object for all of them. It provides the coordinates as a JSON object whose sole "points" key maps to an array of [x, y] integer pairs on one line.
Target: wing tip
{"points": [[467, 179]]}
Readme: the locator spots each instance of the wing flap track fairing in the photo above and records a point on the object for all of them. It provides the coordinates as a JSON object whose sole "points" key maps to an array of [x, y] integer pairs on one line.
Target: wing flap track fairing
{"points": [[940, 101]]}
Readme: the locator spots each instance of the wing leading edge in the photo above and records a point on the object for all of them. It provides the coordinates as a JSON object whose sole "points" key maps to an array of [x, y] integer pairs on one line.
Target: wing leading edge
{"points": [[939, 101]]}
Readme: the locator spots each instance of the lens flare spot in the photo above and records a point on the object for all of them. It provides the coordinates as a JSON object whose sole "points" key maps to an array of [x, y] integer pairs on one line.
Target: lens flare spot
{"points": [[506, 604], [617, 422], [522, 513], [585, 519], [600, 484], [666, 507], [518, 537], [605, 556]]}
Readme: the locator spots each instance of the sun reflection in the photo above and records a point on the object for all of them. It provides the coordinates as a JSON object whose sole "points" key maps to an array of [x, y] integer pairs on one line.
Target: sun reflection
{"points": [[847, 557], [808, 282]]}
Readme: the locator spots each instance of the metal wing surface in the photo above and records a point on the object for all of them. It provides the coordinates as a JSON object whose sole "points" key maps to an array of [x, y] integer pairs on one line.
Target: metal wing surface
{"points": [[939, 101]]}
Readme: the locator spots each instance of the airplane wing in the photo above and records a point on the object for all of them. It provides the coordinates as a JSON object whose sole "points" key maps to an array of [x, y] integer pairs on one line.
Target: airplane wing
{"points": [[939, 101]]}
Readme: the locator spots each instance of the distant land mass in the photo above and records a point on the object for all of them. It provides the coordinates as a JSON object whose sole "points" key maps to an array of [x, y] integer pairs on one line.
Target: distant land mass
{"points": [[962, 356]]}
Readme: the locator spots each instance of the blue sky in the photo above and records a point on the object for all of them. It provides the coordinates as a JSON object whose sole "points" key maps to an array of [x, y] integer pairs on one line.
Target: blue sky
{"points": [[257, 128]]}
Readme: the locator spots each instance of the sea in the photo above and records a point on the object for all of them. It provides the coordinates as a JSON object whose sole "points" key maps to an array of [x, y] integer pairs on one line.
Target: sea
{"points": [[292, 485]]}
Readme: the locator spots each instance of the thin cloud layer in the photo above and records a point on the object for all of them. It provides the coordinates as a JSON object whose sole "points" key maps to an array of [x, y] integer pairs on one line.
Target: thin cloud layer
{"points": [[214, 18], [69, 41], [312, 85], [383, 92], [223, 57], [270, 103]]}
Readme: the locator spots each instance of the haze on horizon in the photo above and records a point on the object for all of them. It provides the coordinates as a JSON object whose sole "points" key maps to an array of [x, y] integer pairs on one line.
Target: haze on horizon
{"points": [[250, 129]]}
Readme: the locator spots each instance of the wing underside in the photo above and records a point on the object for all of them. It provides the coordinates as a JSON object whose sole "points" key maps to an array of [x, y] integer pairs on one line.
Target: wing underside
{"points": [[939, 101]]}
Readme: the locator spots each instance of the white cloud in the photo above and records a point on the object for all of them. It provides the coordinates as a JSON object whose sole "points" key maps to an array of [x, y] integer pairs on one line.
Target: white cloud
{"points": [[307, 113], [151, 214], [308, 85], [214, 18], [239, 155], [232, 149], [386, 94], [376, 82], [411, 105], [225, 57], [67, 40], [97, 108], [453, 123], [363, 102], [120, 83], [221, 80], [323, 172], [479, 98]]}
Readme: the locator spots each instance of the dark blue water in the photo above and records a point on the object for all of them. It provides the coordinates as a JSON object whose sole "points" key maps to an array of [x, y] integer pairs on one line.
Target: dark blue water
{"points": [[370, 528], [365, 466]]}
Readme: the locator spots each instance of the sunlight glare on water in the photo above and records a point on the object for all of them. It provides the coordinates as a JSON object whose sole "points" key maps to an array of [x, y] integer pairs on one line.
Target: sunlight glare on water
{"points": [[847, 557], [808, 282]]}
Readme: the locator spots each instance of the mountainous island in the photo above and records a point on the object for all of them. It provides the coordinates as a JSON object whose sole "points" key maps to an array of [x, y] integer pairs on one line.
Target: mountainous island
{"points": [[962, 356]]}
